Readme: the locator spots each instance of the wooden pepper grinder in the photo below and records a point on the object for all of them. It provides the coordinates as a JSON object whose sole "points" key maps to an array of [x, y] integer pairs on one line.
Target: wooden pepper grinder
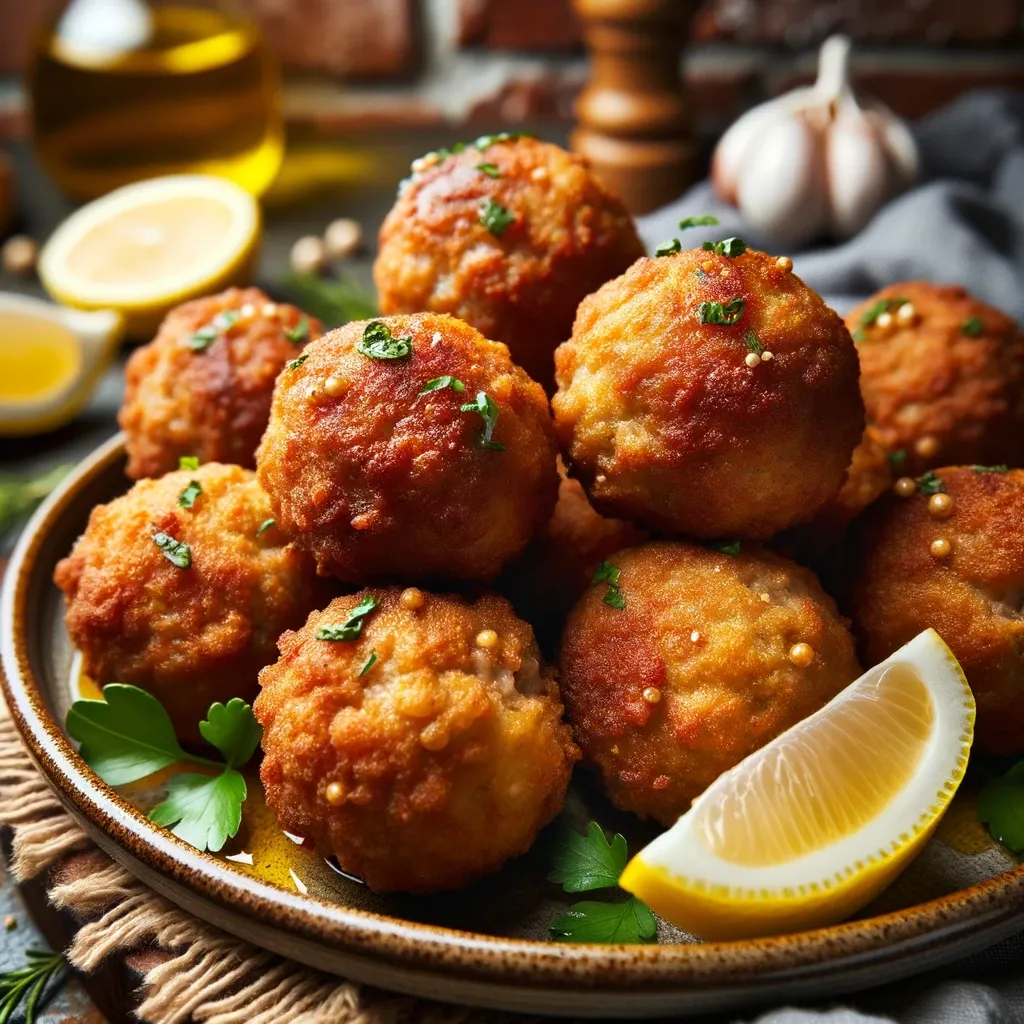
{"points": [[634, 116]]}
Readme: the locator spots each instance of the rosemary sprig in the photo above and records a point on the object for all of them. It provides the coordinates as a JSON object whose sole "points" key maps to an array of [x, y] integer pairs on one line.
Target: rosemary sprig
{"points": [[25, 985]]}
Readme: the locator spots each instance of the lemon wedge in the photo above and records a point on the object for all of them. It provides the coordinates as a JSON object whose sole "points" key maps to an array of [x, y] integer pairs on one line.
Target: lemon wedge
{"points": [[147, 247], [810, 828], [50, 360]]}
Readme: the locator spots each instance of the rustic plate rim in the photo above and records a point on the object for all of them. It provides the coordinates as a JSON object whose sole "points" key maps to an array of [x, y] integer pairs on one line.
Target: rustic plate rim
{"points": [[983, 906]]}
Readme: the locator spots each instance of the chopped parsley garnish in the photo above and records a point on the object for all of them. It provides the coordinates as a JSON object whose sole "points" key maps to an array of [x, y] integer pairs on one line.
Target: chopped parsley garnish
{"points": [[128, 735], [352, 627], [370, 662], [202, 339], [860, 334], [876, 309], [267, 524], [27, 983], [378, 342], [973, 327], [495, 217], [755, 346], [296, 363], [175, 551], [189, 496], [440, 383], [717, 313], [930, 483], [588, 863], [1001, 468], [608, 573], [1001, 807], [488, 411], [189, 462], [491, 170], [706, 220], [299, 333], [897, 458], [486, 141], [727, 547], [731, 247], [673, 245]]}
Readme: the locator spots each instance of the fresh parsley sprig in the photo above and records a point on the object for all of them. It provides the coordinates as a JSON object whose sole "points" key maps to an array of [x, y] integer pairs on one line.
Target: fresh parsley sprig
{"points": [[703, 221], [726, 314], [190, 495], [26, 984], [584, 863], [299, 333], [189, 462], [669, 248], [378, 342], [1001, 468], [930, 483], [352, 626], [202, 339], [973, 327], [608, 573], [128, 735], [488, 410], [673, 245], [730, 247], [440, 383], [495, 217], [175, 551], [1001, 807]]}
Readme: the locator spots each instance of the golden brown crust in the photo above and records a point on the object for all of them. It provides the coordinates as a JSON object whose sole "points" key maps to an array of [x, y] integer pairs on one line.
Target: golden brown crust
{"points": [[711, 633], [189, 636], [215, 403], [934, 391], [667, 425], [569, 237], [972, 598], [380, 481], [445, 758]]}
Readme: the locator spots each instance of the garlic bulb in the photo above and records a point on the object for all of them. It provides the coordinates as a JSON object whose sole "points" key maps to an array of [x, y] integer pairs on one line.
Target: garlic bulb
{"points": [[815, 160]]}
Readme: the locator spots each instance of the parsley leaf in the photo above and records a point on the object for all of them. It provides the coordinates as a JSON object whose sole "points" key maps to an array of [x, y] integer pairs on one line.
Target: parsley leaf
{"points": [[378, 342], [189, 462], [488, 410], [233, 730], [608, 573], [1001, 807], [731, 247], [486, 141], [495, 217], [973, 327], [491, 170], [203, 810], [299, 333], [189, 496], [352, 627], [440, 383], [727, 547], [370, 662], [752, 343], [1001, 468], [706, 220], [930, 483], [175, 551], [267, 524], [202, 339], [876, 309], [588, 862], [126, 736], [897, 458], [673, 245], [27, 984], [626, 921], [717, 313], [296, 363]]}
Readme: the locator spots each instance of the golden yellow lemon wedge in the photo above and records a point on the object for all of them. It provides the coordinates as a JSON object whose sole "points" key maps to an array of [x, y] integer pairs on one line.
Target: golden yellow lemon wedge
{"points": [[809, 829], [146, 247], [50, 359]]}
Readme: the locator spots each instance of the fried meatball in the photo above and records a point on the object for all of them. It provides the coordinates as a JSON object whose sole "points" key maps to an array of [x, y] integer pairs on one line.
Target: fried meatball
{"points": [[189, 635], [511, 252], [381, 478], [551, 575], [203, 385], [694, 659], [942, 376], [668, 424], [970, 589], [422, 753]]}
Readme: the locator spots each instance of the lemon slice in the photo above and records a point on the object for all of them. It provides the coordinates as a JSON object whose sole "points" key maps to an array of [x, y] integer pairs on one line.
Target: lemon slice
{"points": [[812, 827], [50, 360], [146, 247]]}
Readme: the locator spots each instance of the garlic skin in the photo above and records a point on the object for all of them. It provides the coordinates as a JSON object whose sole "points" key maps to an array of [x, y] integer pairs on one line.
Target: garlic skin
{"points": [[815, 160]]}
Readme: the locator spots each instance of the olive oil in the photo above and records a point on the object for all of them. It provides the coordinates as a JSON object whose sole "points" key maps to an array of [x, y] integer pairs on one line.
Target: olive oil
{"points": [[38, 357], [161, 89]]}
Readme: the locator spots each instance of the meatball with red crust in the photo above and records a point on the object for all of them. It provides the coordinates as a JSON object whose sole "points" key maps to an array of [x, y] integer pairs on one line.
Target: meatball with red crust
{"points": [[709, 396], [950, 557], [203, 385], [685, 659], [423, 454], [424, 751], [508, 235], [942, 376], [185, 602]]}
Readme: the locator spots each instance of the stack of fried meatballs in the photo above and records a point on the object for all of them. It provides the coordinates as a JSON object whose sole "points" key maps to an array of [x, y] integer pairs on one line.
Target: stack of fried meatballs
{"points": [[719, 425]]}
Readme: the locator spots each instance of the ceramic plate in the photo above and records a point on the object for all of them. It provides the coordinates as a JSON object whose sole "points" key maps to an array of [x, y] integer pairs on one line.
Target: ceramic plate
{"points": [[485, 945]]}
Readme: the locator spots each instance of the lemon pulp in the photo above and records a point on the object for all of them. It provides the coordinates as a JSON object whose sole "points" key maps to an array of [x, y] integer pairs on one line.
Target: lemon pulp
{"points": [[38, 357], [813, 790]]}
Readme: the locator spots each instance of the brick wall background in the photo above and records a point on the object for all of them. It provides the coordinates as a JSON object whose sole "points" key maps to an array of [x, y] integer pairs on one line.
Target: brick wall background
{"points": [[354, 65]]}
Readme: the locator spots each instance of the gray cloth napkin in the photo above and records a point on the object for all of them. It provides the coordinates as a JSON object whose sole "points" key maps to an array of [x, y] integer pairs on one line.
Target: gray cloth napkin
{"points": [[963, 224]]}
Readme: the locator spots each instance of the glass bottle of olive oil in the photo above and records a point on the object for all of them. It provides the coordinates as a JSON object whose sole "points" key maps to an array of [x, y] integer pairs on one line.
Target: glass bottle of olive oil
{"points": [[129, 89]]}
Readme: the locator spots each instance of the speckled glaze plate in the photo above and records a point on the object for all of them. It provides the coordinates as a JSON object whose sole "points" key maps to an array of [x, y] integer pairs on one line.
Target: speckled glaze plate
{"points": [[486, 945]]}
